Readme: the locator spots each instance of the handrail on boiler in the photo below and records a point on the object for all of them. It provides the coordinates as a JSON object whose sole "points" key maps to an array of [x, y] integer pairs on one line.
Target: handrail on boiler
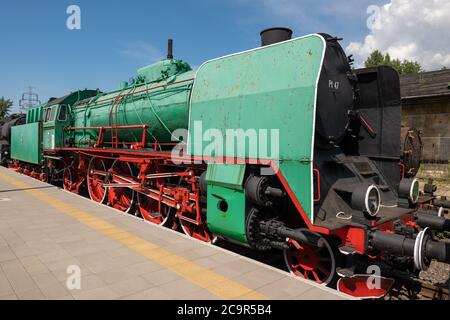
{"points": [[103, 129]]}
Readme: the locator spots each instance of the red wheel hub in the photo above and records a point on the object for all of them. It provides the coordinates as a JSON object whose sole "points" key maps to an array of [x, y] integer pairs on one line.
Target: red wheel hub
{"points": [[95, 179], [68, 180], [150, 211], [310, 262], [121, 198]]}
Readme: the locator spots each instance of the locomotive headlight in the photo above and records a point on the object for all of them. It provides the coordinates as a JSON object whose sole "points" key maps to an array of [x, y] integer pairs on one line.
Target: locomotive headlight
{"points": [[414, 191], [372, 200], [367, 199], [409, 189]]}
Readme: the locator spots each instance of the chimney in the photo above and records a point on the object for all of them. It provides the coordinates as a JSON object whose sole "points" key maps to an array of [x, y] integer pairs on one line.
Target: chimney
{"points": [[170, 49], [275, 35]]}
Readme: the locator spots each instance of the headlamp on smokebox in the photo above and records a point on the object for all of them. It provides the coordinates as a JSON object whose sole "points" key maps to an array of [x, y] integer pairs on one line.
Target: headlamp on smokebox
{"points": [[408, 193], [366, 202]]}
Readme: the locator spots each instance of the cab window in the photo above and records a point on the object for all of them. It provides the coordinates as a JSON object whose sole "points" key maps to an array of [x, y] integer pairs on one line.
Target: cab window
{"points": [[50, 114], [62, 113], [46, 112]]}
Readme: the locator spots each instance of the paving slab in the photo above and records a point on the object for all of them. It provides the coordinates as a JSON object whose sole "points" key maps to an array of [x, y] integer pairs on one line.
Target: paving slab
{"points": [[45, 232]]}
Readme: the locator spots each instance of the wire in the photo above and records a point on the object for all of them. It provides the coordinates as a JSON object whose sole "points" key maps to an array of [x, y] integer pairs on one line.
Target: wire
{"points": [[393, 206], [339, 216]]}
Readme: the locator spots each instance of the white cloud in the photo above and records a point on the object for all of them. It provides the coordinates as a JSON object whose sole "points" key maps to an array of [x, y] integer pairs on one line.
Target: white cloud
{"points": [[410, 29], [142, 52]]}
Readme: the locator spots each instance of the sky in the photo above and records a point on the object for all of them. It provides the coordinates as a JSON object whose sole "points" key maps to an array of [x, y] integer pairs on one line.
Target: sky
{"points": [[118, 37]]}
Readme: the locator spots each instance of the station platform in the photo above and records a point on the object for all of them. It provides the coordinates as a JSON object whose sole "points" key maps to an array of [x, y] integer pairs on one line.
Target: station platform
{"points": [[48, 235]]}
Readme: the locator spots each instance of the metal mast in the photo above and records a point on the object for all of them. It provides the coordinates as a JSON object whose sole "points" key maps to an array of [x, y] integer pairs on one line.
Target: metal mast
{"points": [[29, 99]]}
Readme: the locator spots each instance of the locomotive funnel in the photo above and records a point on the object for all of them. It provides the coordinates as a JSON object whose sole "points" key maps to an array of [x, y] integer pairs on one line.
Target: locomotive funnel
{"points": [[275, 35], [170, 49]]}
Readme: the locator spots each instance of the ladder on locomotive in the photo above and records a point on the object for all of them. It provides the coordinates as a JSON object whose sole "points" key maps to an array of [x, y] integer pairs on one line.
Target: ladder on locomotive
{"points": [[114, 121]]}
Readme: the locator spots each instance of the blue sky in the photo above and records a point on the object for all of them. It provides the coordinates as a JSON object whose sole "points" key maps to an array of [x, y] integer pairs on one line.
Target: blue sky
{"points": [[117, 37]]}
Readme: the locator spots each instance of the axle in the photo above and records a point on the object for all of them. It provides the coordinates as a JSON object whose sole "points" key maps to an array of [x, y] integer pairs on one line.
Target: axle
{"points": [[276, 230]]}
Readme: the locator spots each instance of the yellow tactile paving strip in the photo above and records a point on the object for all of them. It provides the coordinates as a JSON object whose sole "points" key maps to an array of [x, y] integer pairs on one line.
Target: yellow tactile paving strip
{"points": [[215, 283]]}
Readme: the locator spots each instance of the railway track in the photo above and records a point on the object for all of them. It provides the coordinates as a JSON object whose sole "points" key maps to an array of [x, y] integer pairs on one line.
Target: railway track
{"points": [[433, 292], [417, 289]]}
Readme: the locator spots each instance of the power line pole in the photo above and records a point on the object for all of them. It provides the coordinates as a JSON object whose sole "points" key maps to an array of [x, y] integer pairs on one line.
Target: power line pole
{"points": [[29, 99]]}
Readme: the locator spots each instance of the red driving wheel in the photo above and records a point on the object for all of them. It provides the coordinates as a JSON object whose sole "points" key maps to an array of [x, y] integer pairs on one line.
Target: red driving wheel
{"points": [[95, 180], [193, 230], [310, 262], [121, 198], [149, 210]]}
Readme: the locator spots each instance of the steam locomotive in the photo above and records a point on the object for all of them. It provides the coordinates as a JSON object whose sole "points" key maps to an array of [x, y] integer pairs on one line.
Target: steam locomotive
{"points": [[330, 196]]}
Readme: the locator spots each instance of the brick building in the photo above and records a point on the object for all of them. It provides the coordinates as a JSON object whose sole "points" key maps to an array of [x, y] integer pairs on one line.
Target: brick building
{"points": [[426, 106]]}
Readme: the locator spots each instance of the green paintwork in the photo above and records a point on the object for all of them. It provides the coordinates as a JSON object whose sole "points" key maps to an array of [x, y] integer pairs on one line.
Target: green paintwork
{"points": [[225, 182], [35, 114], [226, 175], [267, 88], [163, 70], [163, 109], [271, 87], [26, 143], [298, 177]]}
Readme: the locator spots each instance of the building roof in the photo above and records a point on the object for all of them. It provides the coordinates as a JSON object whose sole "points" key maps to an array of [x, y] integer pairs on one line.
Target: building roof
{"points": [[425, 84]]}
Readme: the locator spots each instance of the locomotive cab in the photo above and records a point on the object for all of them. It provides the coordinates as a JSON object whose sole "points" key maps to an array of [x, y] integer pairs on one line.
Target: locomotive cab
{"points": [[58, 116]]}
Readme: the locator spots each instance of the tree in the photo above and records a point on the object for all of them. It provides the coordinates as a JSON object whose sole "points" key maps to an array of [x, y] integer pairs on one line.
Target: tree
{"points": [[5, 107], [377, 58]]}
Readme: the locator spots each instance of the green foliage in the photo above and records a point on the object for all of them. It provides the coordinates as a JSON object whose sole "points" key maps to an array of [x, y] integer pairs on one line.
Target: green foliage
{"points": [[377, 58], [5, 107]]}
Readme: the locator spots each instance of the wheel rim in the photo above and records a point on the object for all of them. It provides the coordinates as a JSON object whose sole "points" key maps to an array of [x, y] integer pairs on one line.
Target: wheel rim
{"points": [[68, 179], [199, 232], [43, 177], [121, 198], [310, 262], [95, 178], [148, 208]]}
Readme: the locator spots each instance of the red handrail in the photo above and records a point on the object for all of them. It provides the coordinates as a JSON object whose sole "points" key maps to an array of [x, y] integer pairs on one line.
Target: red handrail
{"points": [[102, 130], [403, 169]]}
